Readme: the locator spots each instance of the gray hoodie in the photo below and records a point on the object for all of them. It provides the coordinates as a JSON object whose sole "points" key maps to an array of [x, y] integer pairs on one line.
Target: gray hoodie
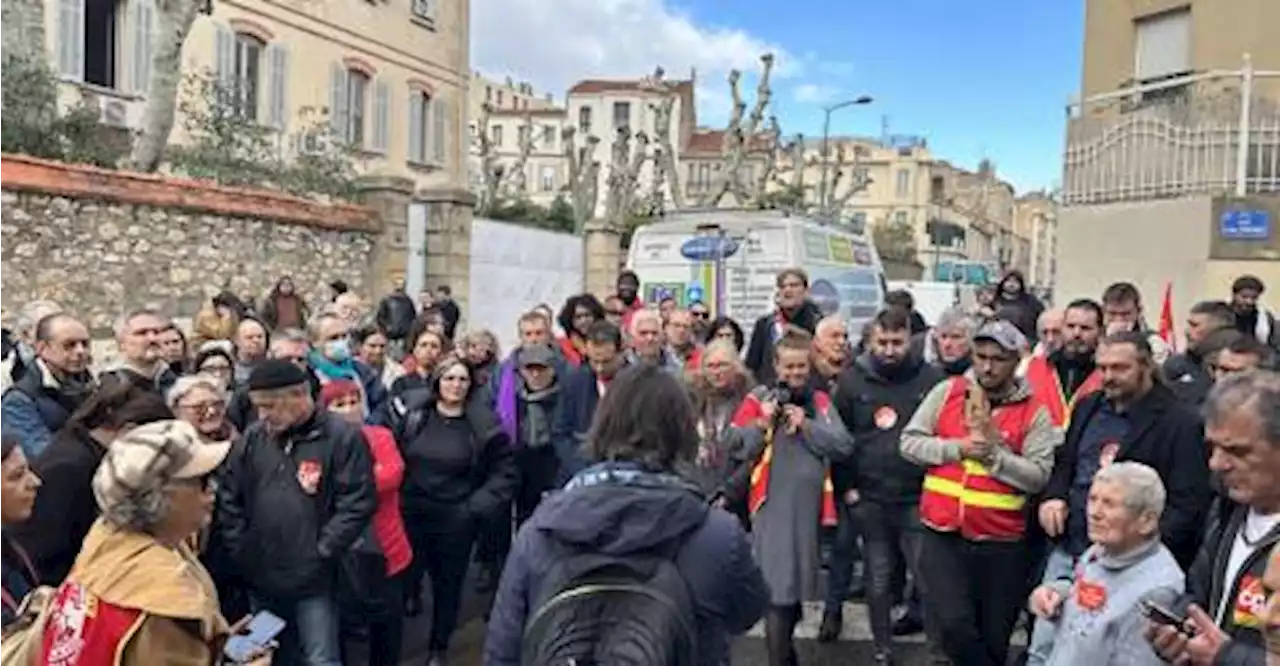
{"points": [[1113, 632]]}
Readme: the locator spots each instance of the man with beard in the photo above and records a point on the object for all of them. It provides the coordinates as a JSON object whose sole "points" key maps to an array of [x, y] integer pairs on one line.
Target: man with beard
{"points": [[880, 489], [55, 384], [1136, 418], [1187, 372], [794, 309], [628, 294], [1250, 318], [1063, 377]]}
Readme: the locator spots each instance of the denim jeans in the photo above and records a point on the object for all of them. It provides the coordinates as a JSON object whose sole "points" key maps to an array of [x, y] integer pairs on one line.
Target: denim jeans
{"points": [[311, 636], [1058, 565], [891, 537], [844, 554]]}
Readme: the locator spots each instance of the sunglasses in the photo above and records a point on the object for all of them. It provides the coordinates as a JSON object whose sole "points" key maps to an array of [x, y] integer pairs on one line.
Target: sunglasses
{"points": [[700, 315]]}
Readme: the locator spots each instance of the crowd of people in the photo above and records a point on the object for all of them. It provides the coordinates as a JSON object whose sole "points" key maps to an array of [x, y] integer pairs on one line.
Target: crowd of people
{"points": [[640, 482]]}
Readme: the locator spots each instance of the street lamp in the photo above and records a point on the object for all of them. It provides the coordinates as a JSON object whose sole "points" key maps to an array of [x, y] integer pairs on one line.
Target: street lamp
{"points": [[826, 137]]}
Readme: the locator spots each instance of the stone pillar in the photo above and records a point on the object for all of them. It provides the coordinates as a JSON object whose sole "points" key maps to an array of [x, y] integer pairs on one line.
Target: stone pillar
{"points": [[449, 242], [389, 196], [602, 248]]}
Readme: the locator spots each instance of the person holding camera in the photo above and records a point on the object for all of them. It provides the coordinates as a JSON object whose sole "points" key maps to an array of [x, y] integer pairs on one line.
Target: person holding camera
{"points": [[790, 435]]}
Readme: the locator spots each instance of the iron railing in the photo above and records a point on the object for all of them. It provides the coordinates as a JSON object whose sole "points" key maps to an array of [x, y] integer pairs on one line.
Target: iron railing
{"points": [[1213, 132]]}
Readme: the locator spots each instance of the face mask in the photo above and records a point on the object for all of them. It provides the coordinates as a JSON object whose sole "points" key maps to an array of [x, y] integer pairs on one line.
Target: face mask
{"points": [[337, 350]]}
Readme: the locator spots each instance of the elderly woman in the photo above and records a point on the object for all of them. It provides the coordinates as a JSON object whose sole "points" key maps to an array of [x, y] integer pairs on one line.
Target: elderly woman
{"points": [[1097, 618], [137, 594], [947, 345], [481, 355], [717, 386], [18, 485], [201, 401]]}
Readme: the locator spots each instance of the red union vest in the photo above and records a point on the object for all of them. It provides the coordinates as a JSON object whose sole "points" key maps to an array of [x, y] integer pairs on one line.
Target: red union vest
{"points": [[1047, 387], [963, 496], [83, 630], [749, 413]]}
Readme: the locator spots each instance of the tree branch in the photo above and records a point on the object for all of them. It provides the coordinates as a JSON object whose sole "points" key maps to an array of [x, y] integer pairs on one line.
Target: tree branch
{"points": [[173, 23]]}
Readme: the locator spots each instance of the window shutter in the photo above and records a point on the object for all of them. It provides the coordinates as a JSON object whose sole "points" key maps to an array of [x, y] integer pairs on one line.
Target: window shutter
{"points": [[224, 56], [278, 106], [381, 116], [439, 121], [338, 100], [71, 38], [142, 33], [1163, 45], [418, 108]]}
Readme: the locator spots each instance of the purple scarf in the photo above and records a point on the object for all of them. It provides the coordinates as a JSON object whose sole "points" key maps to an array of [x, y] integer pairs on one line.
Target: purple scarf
{"points": [[507, 403]]}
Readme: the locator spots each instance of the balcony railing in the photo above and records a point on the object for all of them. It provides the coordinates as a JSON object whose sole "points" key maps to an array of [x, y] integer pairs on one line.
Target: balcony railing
{"points": [[1213, 132]]}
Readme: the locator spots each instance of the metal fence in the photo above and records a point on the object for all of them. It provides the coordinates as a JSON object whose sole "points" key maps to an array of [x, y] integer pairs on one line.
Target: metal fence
{"points": [[1215, 132]]}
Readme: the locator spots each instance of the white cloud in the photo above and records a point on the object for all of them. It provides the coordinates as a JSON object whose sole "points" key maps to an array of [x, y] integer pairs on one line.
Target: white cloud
{"points": [[554, 43], [813, 93]]}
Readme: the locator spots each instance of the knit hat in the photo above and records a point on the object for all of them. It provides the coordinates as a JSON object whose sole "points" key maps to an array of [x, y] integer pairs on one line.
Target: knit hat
{"points": [[148, 456], [276, 373], [338, 388]]}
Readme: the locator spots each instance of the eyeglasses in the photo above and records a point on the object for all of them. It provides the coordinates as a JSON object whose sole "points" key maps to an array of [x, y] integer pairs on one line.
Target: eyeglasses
{"points": [[205, 407], [215, 369]]}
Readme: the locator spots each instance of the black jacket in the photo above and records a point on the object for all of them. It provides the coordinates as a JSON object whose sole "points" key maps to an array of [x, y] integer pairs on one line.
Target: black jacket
{"points": [[64, 509], [284, 539], [759, 359], [875, 409], [240, 411], [1206, 585], [1165, 435], [396, 313], [1188, 378]]}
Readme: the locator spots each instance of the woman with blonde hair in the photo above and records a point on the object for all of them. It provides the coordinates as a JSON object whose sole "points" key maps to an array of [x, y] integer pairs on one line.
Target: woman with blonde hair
{"points": [[717, 387]]}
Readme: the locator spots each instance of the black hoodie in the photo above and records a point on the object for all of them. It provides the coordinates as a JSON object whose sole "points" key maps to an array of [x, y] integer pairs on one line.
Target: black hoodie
{"points": [[875, 408]]}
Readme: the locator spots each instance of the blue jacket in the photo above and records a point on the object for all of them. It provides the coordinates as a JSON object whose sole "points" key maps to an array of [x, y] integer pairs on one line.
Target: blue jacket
{"points": [[36, 407], [715, 559], [578, 399]]}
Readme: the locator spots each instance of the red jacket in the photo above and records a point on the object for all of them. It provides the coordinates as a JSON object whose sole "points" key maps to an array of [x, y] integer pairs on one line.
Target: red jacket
{"points": [[570, 351], [388, 473]]}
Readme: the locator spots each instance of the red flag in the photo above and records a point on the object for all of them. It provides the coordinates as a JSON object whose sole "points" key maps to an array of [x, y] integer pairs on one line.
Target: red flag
{"points": [[1166, 315]]}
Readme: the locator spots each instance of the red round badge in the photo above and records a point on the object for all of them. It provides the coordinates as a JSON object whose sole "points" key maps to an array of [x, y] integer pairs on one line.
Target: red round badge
{"points": [[886, 418]]}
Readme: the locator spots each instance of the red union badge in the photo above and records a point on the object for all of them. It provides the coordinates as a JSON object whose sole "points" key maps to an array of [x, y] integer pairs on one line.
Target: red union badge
{"points": [[309, 476], [885, 418], [1090, 596]]}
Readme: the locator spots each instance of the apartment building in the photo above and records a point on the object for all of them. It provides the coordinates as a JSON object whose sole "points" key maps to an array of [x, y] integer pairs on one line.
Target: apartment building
{"points": [[515, 112], [390, 79], [1036, 219]]}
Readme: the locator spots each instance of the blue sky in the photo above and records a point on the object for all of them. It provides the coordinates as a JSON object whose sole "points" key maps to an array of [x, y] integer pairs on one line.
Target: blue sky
{"points": [[984, 78], [987, 78]]}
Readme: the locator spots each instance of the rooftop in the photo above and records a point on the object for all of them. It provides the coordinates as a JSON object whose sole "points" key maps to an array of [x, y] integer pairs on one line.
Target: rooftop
{"points": [[597, 86]]}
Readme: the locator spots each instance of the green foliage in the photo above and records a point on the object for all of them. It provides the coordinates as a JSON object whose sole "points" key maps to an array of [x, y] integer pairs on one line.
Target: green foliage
{"points": [[790, 197], [227, 145], [895, 241], [557, 217], [33, 125]]}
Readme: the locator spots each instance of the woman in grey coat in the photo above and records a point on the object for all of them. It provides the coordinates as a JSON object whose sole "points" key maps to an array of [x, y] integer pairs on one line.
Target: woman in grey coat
{"points": [[790, 435]]}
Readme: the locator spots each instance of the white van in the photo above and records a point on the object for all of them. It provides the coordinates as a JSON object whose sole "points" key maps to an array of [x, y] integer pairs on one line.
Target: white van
{"points": [[677, 257]]}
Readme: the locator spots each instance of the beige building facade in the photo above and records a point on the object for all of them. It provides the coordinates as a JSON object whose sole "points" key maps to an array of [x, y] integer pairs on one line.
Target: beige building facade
{"points": [[1036, 219], [514, 112], [387, 79]]}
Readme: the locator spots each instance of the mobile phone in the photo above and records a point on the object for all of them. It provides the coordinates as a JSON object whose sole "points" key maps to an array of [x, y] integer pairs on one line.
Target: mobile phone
{"points": [[262, 630], [1161, 615]]}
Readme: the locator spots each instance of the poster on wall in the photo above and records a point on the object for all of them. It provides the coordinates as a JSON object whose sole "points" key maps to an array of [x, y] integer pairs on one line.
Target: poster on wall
{"points": [[515, 268]]}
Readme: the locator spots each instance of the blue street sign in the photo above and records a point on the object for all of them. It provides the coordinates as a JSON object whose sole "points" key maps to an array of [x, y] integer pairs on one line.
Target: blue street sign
{"points": [[708, 248], [693, 294], [1245, 225]]}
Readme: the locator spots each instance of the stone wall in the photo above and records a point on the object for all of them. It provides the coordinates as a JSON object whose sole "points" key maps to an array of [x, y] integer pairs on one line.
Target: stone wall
{"points": [[101, 242]]}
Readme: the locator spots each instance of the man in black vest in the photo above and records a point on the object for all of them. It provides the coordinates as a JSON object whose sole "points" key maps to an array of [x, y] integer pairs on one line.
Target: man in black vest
{"points": [[38, 404]]}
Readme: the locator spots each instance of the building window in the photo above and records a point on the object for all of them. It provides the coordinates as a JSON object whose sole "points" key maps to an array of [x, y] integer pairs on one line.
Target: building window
{"points": [[1162, 45], [548, 179], [488, 94], [91, 46], [903, 186], [420, 126], [248, 59], [522, 135], [584, 120], [357, 92], [549, 137], [621, 115], [424, 10], [499, 103], [495, 135], [900, 218], [859, 221]]}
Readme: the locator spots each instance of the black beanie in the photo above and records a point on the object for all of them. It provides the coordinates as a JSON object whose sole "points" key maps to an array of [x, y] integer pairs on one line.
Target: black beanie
{"points": [[275, 374]]}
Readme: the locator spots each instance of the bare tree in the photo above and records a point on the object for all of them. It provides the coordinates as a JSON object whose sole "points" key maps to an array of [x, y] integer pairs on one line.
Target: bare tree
{"points": [[491, 174], [740, 139], [515, 181], [769, 172], [173, 23], [858, 183], [584, 176], [664, 154], [628, 155]]}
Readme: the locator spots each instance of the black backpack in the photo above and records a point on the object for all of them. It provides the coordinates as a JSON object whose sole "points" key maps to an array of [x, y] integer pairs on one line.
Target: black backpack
{"points": [[603, 610]]}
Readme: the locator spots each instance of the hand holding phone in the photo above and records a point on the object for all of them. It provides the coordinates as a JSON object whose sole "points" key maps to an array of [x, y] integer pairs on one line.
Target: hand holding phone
{"points": [[1163, 616], [257, 638]]}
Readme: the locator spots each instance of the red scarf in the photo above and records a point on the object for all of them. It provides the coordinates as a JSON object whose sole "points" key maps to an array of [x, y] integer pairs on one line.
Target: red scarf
{"points": [[749, 414]]}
